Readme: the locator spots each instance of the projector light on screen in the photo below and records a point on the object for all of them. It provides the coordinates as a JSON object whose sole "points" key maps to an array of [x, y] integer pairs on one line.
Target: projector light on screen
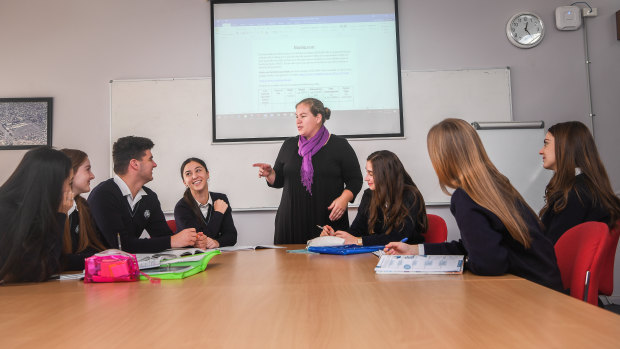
{"points": [[268, 56]]}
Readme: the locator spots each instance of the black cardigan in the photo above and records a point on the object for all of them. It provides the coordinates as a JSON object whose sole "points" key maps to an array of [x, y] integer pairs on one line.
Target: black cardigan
{"points": [[113, 215], [490, 248], [410, 229], [579, 208], [220, 227]]}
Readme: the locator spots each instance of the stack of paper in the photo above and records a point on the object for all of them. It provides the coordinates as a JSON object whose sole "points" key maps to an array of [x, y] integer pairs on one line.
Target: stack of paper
{"points": [[431, 264]]}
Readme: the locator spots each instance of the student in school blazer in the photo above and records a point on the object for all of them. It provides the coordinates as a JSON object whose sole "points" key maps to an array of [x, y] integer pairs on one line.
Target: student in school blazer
{"points": [[500, 233], [214, 224], [207, 212], [123, 207], [34, 202], [392, 208], [81, 239], [579, 190]]}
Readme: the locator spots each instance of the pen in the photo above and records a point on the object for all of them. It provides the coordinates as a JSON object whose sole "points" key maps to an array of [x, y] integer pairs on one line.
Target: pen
{"points": [[320, 227], [118, 237]]}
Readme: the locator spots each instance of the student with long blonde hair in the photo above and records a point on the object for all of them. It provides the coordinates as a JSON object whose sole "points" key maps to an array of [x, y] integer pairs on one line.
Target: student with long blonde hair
{"points": [[500, 233], [80, 239], [579, 190]]}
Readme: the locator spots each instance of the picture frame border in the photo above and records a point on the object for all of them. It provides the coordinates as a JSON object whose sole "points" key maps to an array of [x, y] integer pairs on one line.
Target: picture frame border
{"points": [[50, 107]]}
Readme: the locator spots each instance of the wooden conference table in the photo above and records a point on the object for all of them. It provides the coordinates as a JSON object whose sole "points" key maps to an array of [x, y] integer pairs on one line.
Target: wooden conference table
{"points": [[272, 299]]}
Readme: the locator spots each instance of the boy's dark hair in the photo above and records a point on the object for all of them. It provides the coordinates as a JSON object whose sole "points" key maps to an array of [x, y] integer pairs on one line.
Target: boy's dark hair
{"points": [[127, 148]]}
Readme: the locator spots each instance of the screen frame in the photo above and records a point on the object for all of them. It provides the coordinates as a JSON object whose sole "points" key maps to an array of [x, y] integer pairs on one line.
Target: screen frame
{"points": [[215, 138]]}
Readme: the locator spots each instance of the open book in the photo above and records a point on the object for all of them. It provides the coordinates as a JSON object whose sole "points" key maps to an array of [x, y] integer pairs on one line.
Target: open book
{"points": [[190, 254], [430, 264], [174, 255]]}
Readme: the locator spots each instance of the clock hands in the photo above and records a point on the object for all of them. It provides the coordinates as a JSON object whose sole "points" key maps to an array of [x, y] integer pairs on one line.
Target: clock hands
{"points": [[527, 31]]}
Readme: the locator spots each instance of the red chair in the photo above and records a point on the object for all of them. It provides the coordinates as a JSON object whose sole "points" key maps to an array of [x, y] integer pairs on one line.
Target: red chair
{"points": [[437, 230], [172, 224], [606, 285], [581, 253]]}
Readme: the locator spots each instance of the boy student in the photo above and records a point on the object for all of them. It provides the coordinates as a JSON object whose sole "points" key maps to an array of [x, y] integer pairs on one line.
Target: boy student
{"points": [[123, 207]]}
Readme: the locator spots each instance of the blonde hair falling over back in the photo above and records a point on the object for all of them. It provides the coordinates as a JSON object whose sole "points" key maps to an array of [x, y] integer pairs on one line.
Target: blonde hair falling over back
{"points": [[460, 161]]}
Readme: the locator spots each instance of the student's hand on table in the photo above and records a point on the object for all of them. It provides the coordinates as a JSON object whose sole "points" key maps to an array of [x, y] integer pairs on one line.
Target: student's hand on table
{"points": [[220, 206], [327, 231], [348, 238], [338, 208], [201, 241], [66, 202], [401, 248], [184, 238], [212, 243], [265, 170]]}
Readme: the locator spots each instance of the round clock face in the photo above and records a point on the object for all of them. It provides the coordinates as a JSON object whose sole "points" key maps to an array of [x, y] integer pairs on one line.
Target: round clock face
{"points": [[525, 30]]}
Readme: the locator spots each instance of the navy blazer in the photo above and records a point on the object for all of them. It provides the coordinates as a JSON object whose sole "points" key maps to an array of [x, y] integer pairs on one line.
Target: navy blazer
{"points": [[220, 226], [490, 248], [579, 208]]}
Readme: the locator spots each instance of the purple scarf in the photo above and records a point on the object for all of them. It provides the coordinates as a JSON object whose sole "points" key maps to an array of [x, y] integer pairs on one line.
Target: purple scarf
{"points": [[307, 148]]}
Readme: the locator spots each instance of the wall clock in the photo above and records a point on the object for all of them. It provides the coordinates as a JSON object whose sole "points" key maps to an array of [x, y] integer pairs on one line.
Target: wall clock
{"points": [[525, 30]]}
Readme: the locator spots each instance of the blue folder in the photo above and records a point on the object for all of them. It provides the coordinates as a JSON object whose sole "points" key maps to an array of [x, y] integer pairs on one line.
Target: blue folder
{"points": [[345, 249]]}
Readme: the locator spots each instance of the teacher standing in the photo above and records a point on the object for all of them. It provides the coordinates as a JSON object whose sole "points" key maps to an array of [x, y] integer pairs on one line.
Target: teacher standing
{"points": [[319, 174]]}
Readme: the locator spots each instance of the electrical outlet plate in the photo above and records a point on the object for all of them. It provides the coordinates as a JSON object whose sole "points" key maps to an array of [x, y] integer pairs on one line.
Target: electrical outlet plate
{"points": [[568, 18], [589, 12]]}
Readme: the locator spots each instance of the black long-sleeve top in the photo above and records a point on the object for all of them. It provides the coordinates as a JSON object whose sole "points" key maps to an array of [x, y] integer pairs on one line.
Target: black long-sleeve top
{"points": [[490, 248], [579, 208], [335, 169], [113, 216], [32, 267], [411, 229], [75, 260], [218, 226]]}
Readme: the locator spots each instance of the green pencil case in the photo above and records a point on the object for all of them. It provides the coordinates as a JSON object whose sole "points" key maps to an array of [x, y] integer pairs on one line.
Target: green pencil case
{"points": [[180, 270]]}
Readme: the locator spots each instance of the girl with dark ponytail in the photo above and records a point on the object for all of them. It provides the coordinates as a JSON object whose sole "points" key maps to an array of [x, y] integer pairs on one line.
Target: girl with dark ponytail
{"points": [[208, 212]]}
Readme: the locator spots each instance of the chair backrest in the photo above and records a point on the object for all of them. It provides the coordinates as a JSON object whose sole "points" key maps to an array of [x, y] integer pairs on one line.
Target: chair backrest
{"points": [[437, 229], [172, 224], [606, 286], [581, 250]]}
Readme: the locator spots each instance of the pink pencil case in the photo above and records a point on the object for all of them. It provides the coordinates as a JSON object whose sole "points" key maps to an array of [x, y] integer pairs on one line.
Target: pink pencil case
{"points": [[111, 266]]}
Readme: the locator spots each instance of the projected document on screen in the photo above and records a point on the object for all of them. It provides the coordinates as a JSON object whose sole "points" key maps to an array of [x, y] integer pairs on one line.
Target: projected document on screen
{"points": [[342, 52]]}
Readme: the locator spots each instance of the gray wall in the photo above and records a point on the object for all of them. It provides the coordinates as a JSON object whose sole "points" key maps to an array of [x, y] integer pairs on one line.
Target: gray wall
{"points": [[71, 49]]}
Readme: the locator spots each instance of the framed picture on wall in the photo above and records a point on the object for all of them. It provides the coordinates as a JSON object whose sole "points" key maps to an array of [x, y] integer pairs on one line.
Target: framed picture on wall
{"points": [[25, 122]]}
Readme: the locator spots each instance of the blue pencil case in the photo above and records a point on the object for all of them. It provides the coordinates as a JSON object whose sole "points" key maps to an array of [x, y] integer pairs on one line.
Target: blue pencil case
{"points": [[345, 249]]}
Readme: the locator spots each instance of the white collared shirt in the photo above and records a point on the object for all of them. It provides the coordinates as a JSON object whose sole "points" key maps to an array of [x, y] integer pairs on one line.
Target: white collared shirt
{"points": [[73, 208], [127, 193], [577, 171], [205, 208]]}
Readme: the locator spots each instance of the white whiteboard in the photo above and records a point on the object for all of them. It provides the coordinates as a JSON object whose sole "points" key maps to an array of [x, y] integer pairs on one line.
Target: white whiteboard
{"points": [[176, 115], [515, 154]]}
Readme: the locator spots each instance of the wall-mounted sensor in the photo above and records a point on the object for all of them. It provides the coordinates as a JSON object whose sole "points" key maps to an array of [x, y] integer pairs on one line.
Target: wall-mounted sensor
{"points": [[568, 18]]}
